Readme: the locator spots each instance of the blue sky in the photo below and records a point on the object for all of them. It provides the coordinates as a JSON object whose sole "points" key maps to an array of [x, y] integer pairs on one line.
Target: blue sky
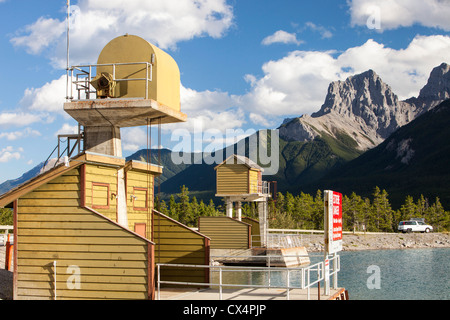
{"points": [[244, 64]]}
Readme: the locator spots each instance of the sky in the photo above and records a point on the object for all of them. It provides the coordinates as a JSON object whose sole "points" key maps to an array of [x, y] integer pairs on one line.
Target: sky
{"points": [[245, 65]]}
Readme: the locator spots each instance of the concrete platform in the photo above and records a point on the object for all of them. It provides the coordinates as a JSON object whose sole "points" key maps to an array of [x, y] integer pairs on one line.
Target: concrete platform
{"points": [[289, 257], [248, 294], [121, 112]]}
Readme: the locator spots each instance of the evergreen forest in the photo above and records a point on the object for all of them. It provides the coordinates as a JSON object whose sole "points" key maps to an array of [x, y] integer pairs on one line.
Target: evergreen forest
{"points": [[305, 211]]}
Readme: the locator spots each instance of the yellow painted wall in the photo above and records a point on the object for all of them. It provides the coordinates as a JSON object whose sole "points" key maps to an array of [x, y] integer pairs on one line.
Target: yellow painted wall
{"points": [[101, 190], [232, 179], [256, 236], [112, 263], [177, 244], [253, 176], [225, 232], [165, 85], [139, 184]]}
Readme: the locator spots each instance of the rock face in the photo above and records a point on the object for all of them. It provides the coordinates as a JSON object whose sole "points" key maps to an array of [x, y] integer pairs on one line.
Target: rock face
{"points": [[364, 110]]}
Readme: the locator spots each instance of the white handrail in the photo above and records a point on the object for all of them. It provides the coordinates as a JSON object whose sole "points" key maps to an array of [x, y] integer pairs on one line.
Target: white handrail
{"points": [[84, 83], [305, 277]]}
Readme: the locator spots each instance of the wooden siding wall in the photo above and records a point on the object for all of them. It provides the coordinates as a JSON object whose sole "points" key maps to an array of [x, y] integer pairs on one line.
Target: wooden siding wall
{"points": [[101, 181], [232, 179], [225, 232], [256, 237], [111, 262], [177, 244], [253, 181], [139, 184]]}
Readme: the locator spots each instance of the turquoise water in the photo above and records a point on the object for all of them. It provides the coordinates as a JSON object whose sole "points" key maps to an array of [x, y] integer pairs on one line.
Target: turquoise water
{"points": [[412, 274]]}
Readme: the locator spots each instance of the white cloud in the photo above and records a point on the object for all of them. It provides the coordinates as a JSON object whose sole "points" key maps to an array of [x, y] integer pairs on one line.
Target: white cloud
{"points": [[401, 13], [134, 138], [198, 101], [281, 37], [27, 132], [297, 83], [67, 129], [209, 110], [94, 23], [9, 153], [41, 34], [324, 32], [18, 119], [259, 119], [50, 97]]}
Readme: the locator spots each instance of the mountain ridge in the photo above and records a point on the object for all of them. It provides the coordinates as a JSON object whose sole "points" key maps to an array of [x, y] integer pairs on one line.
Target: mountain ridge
{"points": [[366, 109], [355, 117]]}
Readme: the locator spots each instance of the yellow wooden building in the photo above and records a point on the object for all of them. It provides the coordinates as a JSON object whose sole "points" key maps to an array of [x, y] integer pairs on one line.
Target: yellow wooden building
{"points": [[238, 176], [239, 179], [69, 244], [86, 228]]}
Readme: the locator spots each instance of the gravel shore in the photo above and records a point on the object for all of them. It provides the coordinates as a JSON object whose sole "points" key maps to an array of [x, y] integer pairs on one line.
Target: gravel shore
{"points": [[313, 243], [350, 242]]}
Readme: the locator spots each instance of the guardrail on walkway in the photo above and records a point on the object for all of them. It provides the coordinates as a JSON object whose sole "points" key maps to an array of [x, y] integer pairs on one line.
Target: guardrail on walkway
{"points": [[303, 276], [4, 236], [298, 231]]}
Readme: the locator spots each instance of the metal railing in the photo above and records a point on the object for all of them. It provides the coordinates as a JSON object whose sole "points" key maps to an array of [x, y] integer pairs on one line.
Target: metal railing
{"points": [[4, 236], [302, 276], [277, 240], [77, 139], [82, 75]]}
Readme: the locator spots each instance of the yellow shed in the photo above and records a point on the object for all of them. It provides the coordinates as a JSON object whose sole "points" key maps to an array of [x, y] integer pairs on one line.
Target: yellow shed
{"points": [[164, 86], [238, 175]]}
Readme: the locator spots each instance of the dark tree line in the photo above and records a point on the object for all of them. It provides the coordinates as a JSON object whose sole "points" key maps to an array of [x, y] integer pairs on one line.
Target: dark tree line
{"points": [[305, 211]]}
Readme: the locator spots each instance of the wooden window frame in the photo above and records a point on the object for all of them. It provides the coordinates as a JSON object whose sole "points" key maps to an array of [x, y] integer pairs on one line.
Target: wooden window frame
{"points": [[107, 198], [145, 228], [146, 199]]}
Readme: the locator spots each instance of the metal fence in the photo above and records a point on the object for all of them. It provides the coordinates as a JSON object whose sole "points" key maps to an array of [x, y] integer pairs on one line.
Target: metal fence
{"points": [[294, 278], [82, 75]]}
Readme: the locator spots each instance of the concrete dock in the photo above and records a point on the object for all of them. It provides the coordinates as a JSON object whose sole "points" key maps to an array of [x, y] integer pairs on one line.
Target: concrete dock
{"points": [[250, 294]]}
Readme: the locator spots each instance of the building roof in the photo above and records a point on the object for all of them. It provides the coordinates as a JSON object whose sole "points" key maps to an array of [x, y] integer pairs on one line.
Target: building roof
{"points": [[238, 159], [86, 157]]}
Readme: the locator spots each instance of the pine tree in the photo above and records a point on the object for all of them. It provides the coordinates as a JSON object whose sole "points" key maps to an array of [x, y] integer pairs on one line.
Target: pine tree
{"points": [[382, 211], [6, 217], [318, 211], [408, 209], [173, 208]]}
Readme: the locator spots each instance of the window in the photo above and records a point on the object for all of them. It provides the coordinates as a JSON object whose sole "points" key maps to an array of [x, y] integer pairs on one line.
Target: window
{"points": [[140, 199], [100, 195], [140, 229]]}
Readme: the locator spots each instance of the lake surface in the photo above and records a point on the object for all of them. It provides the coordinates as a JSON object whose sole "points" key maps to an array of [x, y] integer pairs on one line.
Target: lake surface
{"points": [[410, 274]]}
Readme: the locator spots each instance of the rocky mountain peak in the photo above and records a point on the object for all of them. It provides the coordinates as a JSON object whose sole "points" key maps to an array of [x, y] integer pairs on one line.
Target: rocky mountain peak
{"points": [[438, 85], [363, 95], [365, 109]]}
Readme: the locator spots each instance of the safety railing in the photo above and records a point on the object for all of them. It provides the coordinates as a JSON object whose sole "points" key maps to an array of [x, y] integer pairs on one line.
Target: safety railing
{"points": [[278, 240], [74, 143], [82, 75], [4, 236], [294, 278]]}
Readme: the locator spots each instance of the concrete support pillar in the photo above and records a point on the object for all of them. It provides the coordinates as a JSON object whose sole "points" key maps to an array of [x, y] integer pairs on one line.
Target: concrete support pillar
{"points": [[229, 208], [262, 214], [103, 140], [239, 210]]}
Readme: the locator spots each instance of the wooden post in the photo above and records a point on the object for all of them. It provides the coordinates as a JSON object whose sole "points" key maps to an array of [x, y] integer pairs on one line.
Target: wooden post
{"points": [[9, 250]]}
